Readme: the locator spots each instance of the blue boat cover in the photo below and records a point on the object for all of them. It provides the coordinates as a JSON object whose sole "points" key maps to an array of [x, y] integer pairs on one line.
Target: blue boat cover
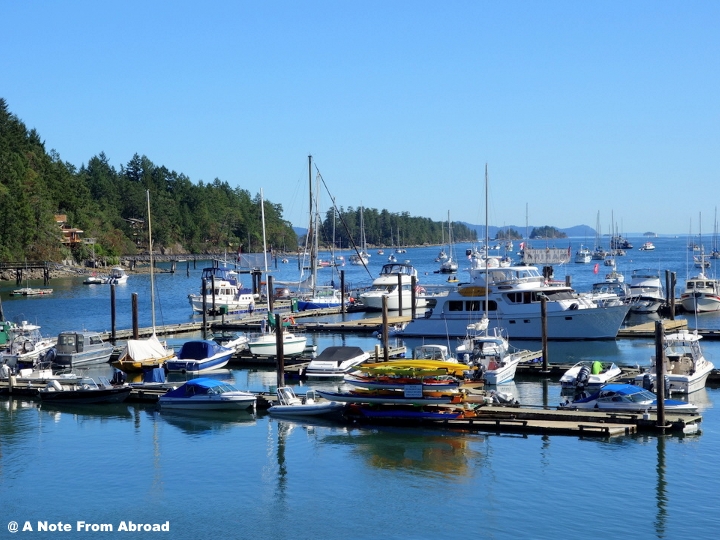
{"points": [[199, 349], [201, 385], [155, 375]]}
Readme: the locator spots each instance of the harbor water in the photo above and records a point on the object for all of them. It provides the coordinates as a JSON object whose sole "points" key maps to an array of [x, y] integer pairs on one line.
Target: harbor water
{"points": [[102, 470]]}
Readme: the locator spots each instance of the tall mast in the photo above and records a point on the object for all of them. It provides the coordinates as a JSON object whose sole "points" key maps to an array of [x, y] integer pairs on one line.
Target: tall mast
{"points": [[487, 252], [150, 246]]}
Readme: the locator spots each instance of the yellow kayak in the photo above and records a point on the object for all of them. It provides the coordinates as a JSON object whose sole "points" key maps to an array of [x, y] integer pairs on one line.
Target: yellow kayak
{"points": [[453, 368]]}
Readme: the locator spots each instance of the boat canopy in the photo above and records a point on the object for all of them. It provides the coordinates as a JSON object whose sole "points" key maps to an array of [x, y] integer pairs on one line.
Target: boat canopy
{"points": [[199, 350], [201, 386], [145, 349], [339, 354]]}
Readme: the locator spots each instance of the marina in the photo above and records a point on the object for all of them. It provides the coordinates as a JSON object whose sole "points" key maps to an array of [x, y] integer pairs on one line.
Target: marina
{"points": [[404, 454]]}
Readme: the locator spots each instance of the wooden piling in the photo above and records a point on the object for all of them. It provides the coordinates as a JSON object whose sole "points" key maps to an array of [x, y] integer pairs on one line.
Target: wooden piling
{"points": [[660, 374], [112, 313], [385, 336], [543, 316], [400, 302], [280, 351]]}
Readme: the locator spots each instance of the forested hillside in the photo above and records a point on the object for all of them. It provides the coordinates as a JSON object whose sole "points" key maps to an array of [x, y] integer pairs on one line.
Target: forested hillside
{"points": [[106, 204]]}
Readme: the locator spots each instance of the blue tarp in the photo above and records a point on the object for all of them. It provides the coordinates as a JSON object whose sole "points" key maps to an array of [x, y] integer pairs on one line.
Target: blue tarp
{"points": [[195, 386], [198, 350]]}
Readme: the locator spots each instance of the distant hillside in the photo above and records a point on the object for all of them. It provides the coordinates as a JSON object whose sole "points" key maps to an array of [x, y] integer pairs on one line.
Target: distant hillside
{"points": [[577, 230]]}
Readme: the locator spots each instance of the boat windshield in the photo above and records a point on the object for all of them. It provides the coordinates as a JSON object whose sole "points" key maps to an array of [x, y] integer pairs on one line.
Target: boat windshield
{"points": [[642, 396], [221, 389]]}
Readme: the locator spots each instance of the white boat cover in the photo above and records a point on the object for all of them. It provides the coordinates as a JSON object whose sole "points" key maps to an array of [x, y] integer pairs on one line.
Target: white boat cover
{"points": [[145, 349]]}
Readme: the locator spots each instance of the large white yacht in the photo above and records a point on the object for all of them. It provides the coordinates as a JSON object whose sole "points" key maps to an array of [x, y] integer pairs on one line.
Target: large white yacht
{"points": [[514, 303], [386, 285]]}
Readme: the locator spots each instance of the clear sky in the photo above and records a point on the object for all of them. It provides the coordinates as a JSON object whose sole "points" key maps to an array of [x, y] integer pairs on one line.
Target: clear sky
{"points": [[578, 108]]}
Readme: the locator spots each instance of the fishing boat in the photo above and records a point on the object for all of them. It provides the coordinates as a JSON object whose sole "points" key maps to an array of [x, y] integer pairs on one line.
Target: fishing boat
{"points": [[31, 291], [336, 361], [686, 369], [647, 246], [394, 284], [291, 405], [75, 349], [625, 397], [205, 393], [199, 356], [87, 391], [265, 343], [587, 374], [117, 276], [583, 255], [701, 294], [223, 293], [26, 345]]}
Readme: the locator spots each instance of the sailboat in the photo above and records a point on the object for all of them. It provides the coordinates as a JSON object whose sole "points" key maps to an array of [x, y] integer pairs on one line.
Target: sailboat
{"points": [[449, 265], [489, 353], [142, 354], [715, 252], [319, 296], [361, 258]]}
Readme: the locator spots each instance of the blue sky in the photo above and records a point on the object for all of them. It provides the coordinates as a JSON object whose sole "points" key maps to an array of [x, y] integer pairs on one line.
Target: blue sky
{"points": [[576, 107]]}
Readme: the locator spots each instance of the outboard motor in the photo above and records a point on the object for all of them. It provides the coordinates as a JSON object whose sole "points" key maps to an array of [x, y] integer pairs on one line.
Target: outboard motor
{"points": [[582, 377], [118, 378], [647, 382]]}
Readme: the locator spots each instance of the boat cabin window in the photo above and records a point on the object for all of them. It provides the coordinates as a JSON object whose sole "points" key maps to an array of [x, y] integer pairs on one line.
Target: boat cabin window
{"points": [[471, 305]]}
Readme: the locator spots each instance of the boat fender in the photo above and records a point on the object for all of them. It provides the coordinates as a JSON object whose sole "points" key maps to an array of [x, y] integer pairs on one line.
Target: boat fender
{"points": [[54, 386]]}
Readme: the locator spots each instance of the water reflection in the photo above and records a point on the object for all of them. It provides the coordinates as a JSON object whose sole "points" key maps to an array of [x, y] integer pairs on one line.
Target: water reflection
{"points": [[80, 413], [204, 423], [448, 454], [661, 490]]}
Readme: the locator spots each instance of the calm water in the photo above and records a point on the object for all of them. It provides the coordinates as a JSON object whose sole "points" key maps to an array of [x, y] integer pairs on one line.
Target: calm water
{"points": [[239, 476]]}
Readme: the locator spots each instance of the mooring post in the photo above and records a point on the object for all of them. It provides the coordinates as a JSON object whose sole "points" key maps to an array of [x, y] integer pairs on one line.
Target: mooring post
{"points": [[400, 291], [280, 351], [270, 293], [660, 374], [673, 283], [204, 308], [135, 327], [385, 337], [112, 313], [342, 292], [413, 296], [543, 317]]}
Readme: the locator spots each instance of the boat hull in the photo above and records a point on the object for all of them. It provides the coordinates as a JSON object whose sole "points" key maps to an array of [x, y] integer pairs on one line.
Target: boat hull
{"points": [[266, 345], [199, 366], [207, 403], [86, 397]]}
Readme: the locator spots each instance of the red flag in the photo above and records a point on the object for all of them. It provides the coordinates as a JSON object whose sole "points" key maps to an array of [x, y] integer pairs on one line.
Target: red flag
{"points": [[597, 268]]}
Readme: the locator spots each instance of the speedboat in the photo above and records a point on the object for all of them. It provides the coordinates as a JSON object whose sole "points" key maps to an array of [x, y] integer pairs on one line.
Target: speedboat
{"points": [[590, 374], [647, 246], [26, 345], [702, 294], [223, 293], [394, 283], [336, 361], [207, 394], [86, 391], [686, 369], [583, 255], [290, 405], [646, 291], [198, 356], [117, 276], [513, 300], [625, 397], [75, 349], [266, 344]]}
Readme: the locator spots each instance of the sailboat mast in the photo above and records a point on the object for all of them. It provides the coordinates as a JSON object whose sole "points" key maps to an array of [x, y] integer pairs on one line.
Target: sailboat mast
{"points": [[150, 246], [262, 214], [312, 235], [487, 244]]}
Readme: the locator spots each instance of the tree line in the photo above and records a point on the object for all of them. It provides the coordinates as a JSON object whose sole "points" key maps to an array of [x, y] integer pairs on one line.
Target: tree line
{"points": [[110, 206]]}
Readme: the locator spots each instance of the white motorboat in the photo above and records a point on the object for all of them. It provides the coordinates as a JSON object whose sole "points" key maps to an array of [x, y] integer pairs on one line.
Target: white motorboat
{"points": [[701, 294], [336, 361], [395, 284], [235, 341], [117, 276], [433, 351], [290, 405], [207, 394], [583, 255], [266, 344], [26, 345], [199, 356], [491, 355], [609, 293], [625, 397], [588, 374], [646, 291], [514, 297], [686, 369], [223, 293], [647, 246]]}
